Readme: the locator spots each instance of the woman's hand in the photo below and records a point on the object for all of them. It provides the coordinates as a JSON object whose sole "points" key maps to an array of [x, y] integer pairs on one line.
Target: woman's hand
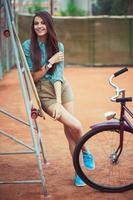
{"points": [[57, 57], [57, 111]]}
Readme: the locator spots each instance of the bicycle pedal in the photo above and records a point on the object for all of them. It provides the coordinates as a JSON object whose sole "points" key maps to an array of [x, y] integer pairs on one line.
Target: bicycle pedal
{"points": [[109, 115]]}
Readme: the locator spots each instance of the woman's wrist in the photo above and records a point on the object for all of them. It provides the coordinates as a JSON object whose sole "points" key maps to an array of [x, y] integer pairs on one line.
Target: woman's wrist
{"points": [[46, 67], [43, 68], [50, 61], [49, 65]]}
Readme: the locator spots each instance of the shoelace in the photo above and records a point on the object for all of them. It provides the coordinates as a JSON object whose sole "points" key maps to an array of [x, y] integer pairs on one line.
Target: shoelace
{"points": [[87, 156]]}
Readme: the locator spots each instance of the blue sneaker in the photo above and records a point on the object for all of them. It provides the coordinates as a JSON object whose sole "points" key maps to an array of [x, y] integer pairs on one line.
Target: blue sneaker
{"points": [[88, 160], [78, 181]]}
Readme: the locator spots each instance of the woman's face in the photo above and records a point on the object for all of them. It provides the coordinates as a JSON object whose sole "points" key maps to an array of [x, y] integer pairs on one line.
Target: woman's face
{"points": [[40, 27]]}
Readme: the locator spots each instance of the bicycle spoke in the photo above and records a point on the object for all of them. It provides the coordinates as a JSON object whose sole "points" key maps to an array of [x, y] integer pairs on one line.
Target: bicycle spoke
{"points": [[108, 174]]}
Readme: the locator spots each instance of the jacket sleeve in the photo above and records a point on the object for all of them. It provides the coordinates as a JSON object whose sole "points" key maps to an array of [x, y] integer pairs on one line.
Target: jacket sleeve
{"points": [[59, 70], [26, 49]]}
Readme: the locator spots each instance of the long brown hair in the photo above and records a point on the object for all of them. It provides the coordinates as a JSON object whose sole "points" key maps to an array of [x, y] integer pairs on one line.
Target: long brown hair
{"points": [[51, 43]]}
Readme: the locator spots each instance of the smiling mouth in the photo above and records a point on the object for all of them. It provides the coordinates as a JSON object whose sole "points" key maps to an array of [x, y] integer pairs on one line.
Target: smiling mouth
{"points": [[41, 30]]}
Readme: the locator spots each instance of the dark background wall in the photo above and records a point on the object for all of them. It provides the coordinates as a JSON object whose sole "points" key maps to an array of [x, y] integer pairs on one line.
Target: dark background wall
{"points": [[90, 40]]}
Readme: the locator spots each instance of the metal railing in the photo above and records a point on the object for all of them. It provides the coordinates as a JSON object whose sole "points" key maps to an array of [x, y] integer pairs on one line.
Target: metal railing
{"points": [[7, 59]]}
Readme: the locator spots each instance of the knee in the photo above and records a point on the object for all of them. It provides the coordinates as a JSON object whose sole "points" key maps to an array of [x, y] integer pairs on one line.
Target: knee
{"points": [[78, 128]]}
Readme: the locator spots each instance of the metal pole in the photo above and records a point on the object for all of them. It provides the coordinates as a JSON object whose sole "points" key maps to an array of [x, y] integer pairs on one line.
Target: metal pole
{"points": [[21, 78], [51, 7]]}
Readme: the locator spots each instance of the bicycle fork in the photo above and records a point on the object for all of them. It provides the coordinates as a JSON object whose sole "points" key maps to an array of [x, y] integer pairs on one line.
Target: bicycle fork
{"points": [[115, 156], [117, 153]]}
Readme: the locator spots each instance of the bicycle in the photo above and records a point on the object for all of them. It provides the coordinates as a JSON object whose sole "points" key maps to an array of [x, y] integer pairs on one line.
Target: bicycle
{"points": [[111, 142]]}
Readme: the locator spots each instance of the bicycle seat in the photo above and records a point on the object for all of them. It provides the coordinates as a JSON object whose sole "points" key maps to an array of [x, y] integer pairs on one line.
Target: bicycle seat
{"points": [[109, 115]]}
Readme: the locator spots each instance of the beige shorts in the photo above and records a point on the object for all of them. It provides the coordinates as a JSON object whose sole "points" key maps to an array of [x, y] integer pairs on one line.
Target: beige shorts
{"points": [[47, 95]]}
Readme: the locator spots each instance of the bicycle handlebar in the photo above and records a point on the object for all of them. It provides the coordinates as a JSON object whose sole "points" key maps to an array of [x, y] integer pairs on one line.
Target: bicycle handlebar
{"points": [[125, 99], [118, 90], [120, 71]]}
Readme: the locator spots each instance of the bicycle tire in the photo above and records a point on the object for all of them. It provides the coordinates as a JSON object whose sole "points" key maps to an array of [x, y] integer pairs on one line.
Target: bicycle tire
{"points": [[92, 134]]}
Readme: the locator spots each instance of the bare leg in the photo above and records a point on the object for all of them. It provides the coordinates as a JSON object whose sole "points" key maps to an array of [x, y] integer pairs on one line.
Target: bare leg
{"points": [[72, 127], [71, 142], [68, 132]]}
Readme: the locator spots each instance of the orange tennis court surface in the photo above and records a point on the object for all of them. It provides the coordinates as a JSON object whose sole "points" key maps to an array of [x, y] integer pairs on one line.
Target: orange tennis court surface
{"points": [[92, 99]]}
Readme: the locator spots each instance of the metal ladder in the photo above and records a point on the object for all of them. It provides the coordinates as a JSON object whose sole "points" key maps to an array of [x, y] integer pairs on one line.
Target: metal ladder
{"points": [[32, 113]]}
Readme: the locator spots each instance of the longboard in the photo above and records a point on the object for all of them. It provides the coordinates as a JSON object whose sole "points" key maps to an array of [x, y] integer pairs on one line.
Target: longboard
{"points": [[28, 71]]}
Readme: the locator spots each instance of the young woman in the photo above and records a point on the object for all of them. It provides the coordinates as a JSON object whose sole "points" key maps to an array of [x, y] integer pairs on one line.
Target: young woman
{"points": [[45, 57]]}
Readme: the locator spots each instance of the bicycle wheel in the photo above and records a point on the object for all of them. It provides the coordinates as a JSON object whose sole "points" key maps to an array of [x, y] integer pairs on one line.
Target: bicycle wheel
{"points": [[107, 176]]}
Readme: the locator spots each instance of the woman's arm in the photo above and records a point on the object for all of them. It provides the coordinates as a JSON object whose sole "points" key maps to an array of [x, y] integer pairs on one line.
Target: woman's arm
{"points": [[56, 80], [57, 57], [40, 73], [57, 87], [57, 106]]}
